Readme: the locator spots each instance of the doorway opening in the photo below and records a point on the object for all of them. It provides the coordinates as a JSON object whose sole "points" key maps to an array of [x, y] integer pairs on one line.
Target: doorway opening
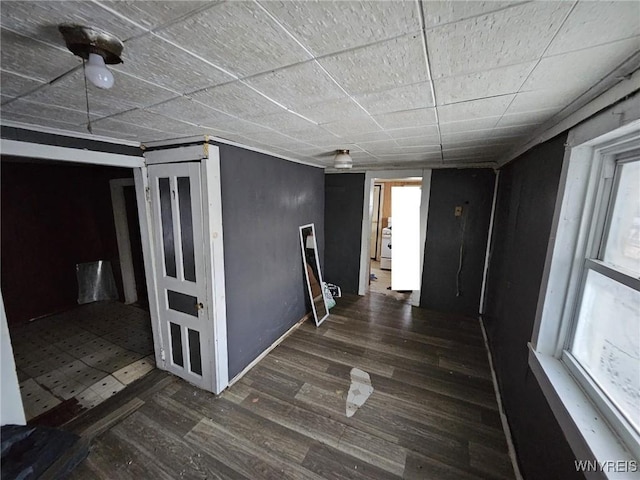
{"points": [[381, 271], [75, 340], [385, 195]]}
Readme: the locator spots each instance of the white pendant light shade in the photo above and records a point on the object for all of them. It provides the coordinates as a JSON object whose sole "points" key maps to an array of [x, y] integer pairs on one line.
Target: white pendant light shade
{"points": [[343, 159], [98, 73]]}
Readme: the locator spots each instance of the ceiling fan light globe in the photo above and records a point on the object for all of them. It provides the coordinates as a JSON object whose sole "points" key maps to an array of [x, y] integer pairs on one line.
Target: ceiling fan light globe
{"points": [[343, 160]]}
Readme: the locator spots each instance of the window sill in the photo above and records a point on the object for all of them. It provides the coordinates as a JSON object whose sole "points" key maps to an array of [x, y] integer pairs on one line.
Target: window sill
{"points": [[589, 436]]}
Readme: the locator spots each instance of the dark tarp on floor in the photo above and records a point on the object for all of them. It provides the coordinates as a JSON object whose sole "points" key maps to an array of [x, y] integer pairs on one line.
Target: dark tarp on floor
{"points": [[27, 452]]}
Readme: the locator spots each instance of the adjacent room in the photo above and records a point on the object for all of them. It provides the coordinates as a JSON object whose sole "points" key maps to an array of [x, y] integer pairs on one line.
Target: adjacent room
{"points": [[77, 337], [305, 239]]}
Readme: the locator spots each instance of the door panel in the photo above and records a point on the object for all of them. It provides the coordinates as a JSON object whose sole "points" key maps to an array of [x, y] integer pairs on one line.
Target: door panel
{"points": [[176, 203]]}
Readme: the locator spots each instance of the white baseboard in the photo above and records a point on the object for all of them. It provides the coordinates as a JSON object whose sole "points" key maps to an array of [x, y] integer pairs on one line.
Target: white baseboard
{"points": [[503, 416], [266, 352]]}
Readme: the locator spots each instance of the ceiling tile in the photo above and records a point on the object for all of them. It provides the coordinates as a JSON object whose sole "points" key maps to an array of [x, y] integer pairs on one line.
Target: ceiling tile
{"points": [[282, 121], [236, 99], [595, 23], [386, 151], [424, 131], [451, 139], [350, 126], [414, 157], [330, 111], [408, 118], [526, 118], [314, 135], [488, 83], [382, 66], [43, 121], [418, 141], [395, 99], [41, 19], [484, 107], [586, 66], [237, 36], [438, 12], [183, 108], [159, 62], [127, 93], [32, 58], [378, 144], [153, 121], [142, 133], [60, 114], [484, 123], [152, 14], [367, 136], [329, 27], [13, 85], [506, 132], [297, 86], [506, 37], [544, 99], [271, 138]]}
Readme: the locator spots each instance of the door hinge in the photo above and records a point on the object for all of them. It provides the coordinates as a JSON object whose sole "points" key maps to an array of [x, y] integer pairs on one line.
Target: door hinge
{"points": [[147, 193], [162, 355]]}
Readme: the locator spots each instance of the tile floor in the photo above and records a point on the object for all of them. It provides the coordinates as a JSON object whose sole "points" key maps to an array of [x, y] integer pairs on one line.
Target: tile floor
{"points": [[88, 353], [383, 280]]}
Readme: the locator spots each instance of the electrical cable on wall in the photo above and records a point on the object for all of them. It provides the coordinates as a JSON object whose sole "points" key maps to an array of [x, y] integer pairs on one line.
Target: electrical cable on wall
{"points": [[463, 219]]}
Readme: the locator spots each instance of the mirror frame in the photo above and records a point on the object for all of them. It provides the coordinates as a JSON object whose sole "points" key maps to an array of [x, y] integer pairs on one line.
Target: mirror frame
{"points": [[306, 273]]}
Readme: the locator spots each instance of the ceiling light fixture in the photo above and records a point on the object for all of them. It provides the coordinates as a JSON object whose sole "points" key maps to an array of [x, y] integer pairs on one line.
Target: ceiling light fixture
{"points": [[97, 48], [343, 159]]}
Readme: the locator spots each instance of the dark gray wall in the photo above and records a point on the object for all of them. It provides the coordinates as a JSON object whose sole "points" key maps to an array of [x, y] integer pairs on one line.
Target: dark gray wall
{"points": [[344, 194], [264, 201], [526, 200], [473, 190]]}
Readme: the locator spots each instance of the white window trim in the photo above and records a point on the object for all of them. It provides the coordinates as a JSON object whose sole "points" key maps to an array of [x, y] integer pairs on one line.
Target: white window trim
{"points": [[587, 432]]}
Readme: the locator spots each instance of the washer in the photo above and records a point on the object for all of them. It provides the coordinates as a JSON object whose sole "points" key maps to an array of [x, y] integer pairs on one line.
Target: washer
{"points": [[385, 255]]}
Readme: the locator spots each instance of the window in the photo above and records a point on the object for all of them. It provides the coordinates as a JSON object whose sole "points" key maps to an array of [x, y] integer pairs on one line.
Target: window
{"points": [[602, 350], [585, 350]]}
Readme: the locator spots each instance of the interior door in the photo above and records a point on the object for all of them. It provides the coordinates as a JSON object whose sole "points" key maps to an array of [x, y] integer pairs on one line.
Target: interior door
{"points": [[375, 222], [176, 203]]}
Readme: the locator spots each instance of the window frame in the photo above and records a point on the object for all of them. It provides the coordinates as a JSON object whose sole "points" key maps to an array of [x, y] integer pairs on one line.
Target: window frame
{"points": [[586, 193]]}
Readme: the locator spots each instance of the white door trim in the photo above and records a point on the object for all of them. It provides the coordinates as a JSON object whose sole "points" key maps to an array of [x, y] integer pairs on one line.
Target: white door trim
{"points": [[214, 258], [367, 210], [66, 154], [123, 237]]}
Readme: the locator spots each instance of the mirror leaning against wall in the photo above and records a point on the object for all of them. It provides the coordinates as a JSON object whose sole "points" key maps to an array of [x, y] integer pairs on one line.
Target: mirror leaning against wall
{"points": [[312, 272]]}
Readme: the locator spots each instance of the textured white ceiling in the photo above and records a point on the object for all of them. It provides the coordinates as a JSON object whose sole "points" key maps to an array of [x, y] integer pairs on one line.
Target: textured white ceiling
{"points": [[400, 83]]}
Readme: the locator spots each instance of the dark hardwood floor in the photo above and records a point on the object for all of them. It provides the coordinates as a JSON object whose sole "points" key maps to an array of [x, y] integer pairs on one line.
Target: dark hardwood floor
{"points": [[432, 415]]}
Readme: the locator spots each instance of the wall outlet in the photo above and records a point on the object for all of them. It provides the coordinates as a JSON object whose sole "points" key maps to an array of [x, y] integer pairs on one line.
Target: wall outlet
{"points": [[458, 211]]}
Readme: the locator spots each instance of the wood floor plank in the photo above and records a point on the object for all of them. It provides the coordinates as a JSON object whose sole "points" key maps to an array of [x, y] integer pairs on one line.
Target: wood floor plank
{"points": [[321, 349], [330, 463], [314, 425], [110, 458], [432, 413], [171, 452], [250, 460], [420, 467]]}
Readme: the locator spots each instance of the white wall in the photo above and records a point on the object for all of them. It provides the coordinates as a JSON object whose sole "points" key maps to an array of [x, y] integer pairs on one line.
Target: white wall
{"points": [[11, 410]]}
